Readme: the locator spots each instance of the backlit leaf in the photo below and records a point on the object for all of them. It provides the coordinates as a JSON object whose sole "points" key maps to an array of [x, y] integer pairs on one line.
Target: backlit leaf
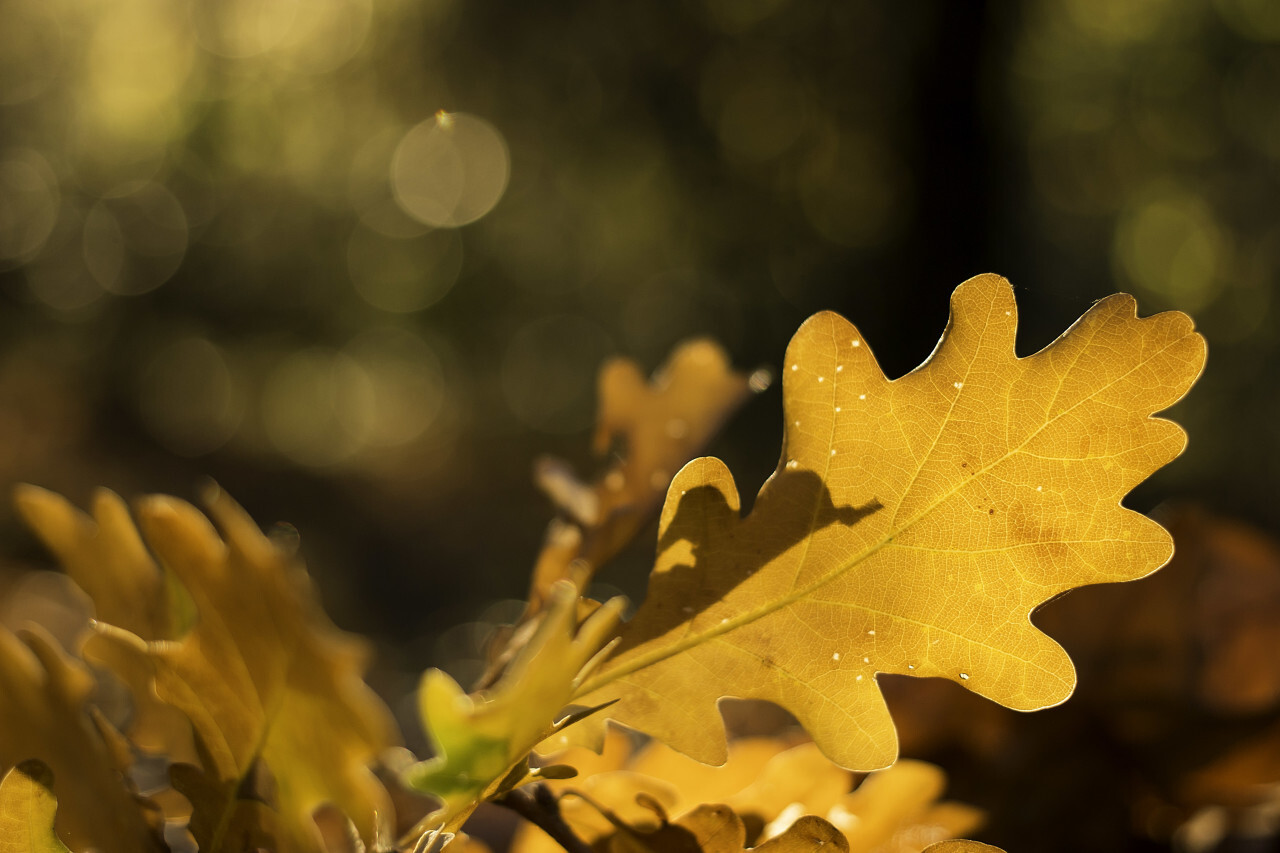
{"points": [[765, 785], [106, 557], [263, 676], [27, 810], [480, 739], [43, 716], [660, 424], [895, 810], [911, 527]]}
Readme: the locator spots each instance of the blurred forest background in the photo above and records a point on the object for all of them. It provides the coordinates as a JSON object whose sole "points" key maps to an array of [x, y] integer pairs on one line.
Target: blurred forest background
{"points": [[240, 239]]}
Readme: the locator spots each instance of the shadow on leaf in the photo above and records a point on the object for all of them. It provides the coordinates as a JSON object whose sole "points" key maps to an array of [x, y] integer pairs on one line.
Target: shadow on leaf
{"points": [[794, 505]]}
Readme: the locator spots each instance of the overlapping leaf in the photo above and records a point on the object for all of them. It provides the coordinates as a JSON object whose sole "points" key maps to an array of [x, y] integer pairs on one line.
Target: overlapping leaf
{"points": [[714, 828], [766, 784], [912, 527], [263, 676], [27, 810], [480, 739], [106, 558], [661, 424], [654, 427], [43, 716]]}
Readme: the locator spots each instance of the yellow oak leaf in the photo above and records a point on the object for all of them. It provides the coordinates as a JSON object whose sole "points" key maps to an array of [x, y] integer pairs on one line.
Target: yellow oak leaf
{"points": [[480, 739], [106, 558], [961, 846], [264, 677], [27, 810], [912, 527], [43, 716]]}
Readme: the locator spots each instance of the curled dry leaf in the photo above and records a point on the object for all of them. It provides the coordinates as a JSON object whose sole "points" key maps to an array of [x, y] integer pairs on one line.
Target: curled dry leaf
{"points": [[263, 676], [481, 739], [912, 527], [616, 777], [27, 810], [43, 716]]}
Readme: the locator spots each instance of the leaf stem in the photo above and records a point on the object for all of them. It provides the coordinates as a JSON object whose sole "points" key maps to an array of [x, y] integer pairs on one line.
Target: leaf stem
{"points": [[538, 804]]}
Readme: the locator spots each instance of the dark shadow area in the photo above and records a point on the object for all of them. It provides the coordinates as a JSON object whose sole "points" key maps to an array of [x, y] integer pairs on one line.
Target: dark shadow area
{"points": [[729, 548]]}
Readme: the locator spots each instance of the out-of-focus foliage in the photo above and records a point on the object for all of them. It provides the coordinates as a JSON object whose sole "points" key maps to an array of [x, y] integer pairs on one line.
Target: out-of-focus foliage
{"points": [[44, 716], [1150, 133], [270, 692], [766, 783]]}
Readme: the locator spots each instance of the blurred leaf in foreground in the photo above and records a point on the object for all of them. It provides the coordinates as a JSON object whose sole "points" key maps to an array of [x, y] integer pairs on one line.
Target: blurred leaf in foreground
{"points": [[481, 740], [264, 677], [43, 715], [767, 784]]}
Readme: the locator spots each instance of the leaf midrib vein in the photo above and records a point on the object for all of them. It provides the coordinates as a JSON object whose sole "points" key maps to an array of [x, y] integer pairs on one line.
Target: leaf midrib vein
{"points": [[692, 640]]}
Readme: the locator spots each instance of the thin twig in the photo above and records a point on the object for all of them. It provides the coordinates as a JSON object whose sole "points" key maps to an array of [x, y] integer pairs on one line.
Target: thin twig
{"points": [[538, 804]]}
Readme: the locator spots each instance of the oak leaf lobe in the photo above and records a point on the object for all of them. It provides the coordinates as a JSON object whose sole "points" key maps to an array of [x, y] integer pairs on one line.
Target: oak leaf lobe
{"points": [[912, 527]]}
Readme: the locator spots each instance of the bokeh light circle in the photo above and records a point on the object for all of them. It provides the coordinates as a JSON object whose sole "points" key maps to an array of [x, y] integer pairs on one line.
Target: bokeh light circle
{"points": [[31, 51], [135, 238], [407, 385], [1169, 242], [242, 28], [29, 198], [450, 170], [317, 407]]}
